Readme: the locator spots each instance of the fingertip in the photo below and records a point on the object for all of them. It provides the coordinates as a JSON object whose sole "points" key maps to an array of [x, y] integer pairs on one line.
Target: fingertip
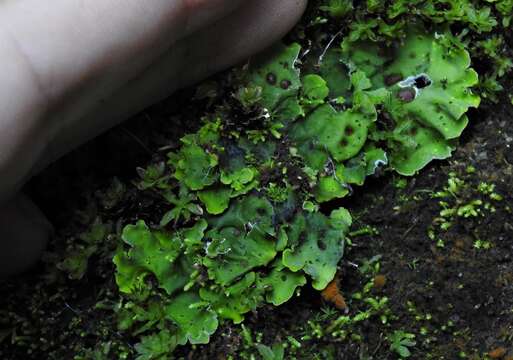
{"points": [[252, 28], [24, 234]]}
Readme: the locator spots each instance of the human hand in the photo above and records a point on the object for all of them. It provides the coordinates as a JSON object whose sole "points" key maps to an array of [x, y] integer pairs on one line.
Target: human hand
{"points": [[73, 68]]}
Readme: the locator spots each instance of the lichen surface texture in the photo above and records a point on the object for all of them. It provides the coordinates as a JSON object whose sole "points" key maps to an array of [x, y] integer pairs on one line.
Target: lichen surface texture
{"points": [[247, 223]]}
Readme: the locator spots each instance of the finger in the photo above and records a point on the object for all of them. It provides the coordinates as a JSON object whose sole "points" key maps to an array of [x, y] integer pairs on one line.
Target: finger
{"points": [[75, 47], [249, 29], [24, 232], [73, 41]]}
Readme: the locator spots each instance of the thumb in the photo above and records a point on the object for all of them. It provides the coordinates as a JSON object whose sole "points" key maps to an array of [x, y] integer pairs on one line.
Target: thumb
{"points": [[77, 53], [24, 233]]}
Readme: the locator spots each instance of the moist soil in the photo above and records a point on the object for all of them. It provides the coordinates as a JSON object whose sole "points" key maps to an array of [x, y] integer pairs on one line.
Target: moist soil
{"points": [[455, 295]]}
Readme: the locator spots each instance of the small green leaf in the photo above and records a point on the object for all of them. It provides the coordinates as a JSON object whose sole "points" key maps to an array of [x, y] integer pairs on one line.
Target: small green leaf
{"points": [[195, 166], [238, 299], [314, 92], [340, 135], [316, 246], [281, 284], [232, 252], [216, 200], [156, 253], [196, 324], [278, 76], [158, 346]]}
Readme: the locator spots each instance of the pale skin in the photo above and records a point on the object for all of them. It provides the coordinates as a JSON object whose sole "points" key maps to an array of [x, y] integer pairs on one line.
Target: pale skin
{"points": [[72, 69]]}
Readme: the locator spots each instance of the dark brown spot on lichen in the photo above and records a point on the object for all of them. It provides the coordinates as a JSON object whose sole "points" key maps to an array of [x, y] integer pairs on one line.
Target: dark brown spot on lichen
{"points": [[392, 79], [285, 84], [301, 239], [349, 131], [407, 94], [344, 142], [422, 81], [271, 79]]}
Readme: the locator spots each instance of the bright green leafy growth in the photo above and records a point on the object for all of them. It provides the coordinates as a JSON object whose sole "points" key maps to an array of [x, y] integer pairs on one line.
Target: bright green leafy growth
{"points": [[216, 200], [152, 252], [438, 70], [249, 292], [195, 322], [239, 240], [278, 77], [281, 284], [338, 8], [240, 180], [441, 78], [246, 214], [401, 342], [314, 92], [364, 164], [157, 347], [195, 166], [326, 138], [336, 74], [327, 133], [232, 252], [196, 163], [236, 300], [277, 352], [429, 81], [317, 244], [193, 237], [235, 170], [331, 186], [184, 206]]}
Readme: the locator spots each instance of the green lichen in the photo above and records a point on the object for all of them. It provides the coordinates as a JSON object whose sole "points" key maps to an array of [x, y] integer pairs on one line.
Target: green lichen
{"points": [[281, 284], [195, 323], [428, 79], [316, 244], [184, 206], [152, 252], [278, 77], [311, 137], [215, 200]]}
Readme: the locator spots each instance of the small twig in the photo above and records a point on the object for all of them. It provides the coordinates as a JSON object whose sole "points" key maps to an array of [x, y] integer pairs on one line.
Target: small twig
{"points": [[408, 231], [321, 58], [76, 312], [352, 264]]}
